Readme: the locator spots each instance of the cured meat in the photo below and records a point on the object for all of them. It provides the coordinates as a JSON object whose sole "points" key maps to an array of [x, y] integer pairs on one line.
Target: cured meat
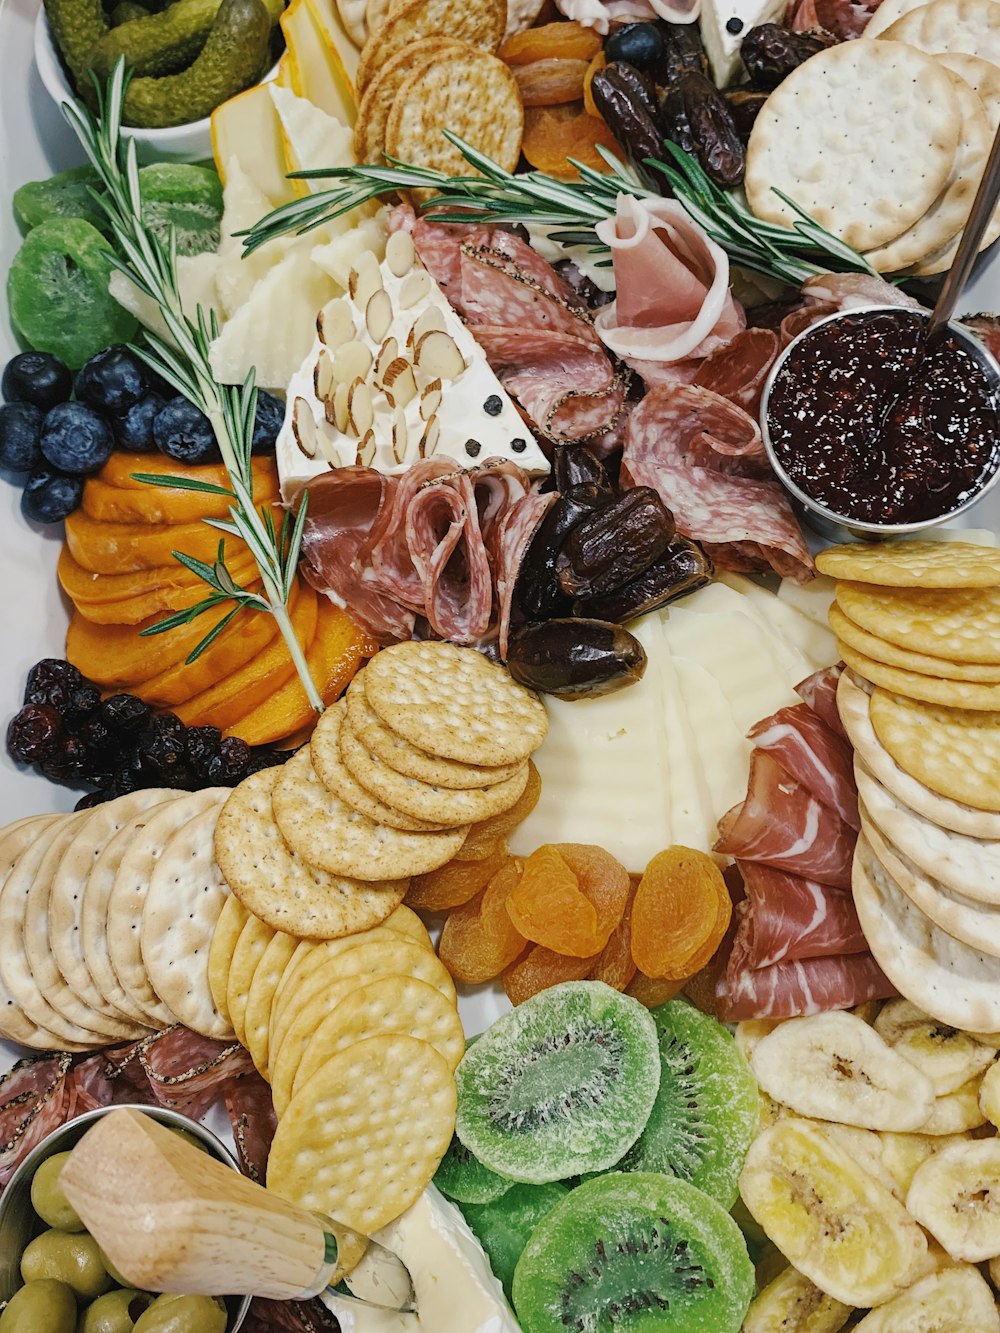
{"points": [[846, 291], [36, 1097], [843, 19], [810, 986], [188, 1072], [251, 1114], [447, 550], [819, 691], [602, 14], [782, 824], [814, 755], [745, 523], [516, 531], [672, 300], [290, 1316], [788, 918], [738, 370], [986, 328]]}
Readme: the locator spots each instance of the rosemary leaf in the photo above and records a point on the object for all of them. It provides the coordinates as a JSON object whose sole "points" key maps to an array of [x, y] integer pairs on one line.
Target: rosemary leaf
{"points": [[210, 637], [181, 483]]}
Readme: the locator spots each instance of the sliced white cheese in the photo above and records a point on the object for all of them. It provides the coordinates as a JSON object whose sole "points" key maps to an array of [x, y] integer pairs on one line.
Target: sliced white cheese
{"points": [[195, 281], [358, 1317], [811, 599], [692, 823], [815, 642], [244, 204], [755, 602], [723, 750], [724, 24], [312, 138]]}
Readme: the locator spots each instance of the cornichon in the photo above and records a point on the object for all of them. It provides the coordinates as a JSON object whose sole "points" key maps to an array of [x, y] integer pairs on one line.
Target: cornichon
{"points": [[230, 61], [127, 10], [158, 43], [77, 25]]}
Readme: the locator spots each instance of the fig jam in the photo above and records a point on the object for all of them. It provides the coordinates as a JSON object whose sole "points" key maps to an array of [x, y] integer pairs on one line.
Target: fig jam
{"points": [[869, 423]]}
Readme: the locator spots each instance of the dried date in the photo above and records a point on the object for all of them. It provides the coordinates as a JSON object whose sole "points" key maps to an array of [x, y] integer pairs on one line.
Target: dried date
{"points": [[682, 568], [627, 102], [696, 116], [683, 53], [575, 659], [770, 53], [574, 465], [537, 592], [615, 544], [744, 104]]}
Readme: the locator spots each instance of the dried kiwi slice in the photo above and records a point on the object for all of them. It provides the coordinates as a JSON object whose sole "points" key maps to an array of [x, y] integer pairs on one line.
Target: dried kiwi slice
{"points": [[706, 1110], [187, 199], [463, 1178], [562, 1085], [636, 1253], [65, 195], [505, 1226]]}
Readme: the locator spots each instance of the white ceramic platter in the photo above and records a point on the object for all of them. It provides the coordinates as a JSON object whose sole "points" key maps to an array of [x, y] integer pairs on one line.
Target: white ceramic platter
{"points": [[34, 143]]}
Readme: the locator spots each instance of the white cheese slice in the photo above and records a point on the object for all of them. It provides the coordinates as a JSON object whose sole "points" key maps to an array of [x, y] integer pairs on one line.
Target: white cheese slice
{"points": [[756, 606], [722, 749], [312, 138], [815, 642], [692, 823], [811, 599], [721, 37], [358, 1317]]}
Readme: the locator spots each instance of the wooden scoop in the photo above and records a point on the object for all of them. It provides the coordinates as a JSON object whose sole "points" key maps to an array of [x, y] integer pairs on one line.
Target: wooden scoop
{"points": [[172, 1218]]}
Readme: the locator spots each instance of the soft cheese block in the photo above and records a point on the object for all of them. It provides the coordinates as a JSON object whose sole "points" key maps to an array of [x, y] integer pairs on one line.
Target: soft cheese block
{"points": [[724, 24]]}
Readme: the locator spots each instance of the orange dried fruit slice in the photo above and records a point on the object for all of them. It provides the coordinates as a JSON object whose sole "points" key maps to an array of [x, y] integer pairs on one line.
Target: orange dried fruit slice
{"points": [[455, 883], [541, 968], [479, 940], [553, 134], [551, 82], [551, 41], [115, 548], [681, 911], [615, 965], [652, 991], [120, 470], [485, 837], [161, 504], [589, 105], [127, 599], [570, 898]]}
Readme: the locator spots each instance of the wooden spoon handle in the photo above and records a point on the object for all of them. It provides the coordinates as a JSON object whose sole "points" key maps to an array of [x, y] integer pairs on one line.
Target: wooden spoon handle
{"points": [[171, 1218]]}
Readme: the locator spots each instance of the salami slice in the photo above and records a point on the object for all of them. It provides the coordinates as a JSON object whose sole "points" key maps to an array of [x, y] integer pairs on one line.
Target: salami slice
{"points": [[188, 1072], [251, 1114], [737, 370], [446, 546], [36, 1097]]}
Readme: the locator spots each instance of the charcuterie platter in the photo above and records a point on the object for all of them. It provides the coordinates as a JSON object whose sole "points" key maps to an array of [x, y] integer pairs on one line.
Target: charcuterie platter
{"points": [[502, 672]]}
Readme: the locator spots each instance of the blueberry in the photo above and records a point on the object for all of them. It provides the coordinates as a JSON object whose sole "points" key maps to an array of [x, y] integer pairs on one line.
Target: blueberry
{"points": [[37, 377], [134, 430], [50, 496], [184, 433], [112, 381], [638, 44], [267, 422], [76, 439], [20, 431]]}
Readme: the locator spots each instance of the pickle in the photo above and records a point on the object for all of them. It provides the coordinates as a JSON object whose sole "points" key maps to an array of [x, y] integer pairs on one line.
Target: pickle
{"points": [[230, 61], [77, 25], [159, 43], [125, 11]]}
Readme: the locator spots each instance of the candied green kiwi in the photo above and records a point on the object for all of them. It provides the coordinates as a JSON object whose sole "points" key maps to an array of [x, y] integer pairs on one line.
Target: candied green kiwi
{"points": [[45, 1306], [183, 1314], [67, 1257], [230, 61], [57, 291], [65, 195], [463, 1177], [504, 1226], [77, 25], [561, 1085], [185, 198], [706, 1110], [114, 1312], [637, 1253], [157, 43], [48, 1198]]}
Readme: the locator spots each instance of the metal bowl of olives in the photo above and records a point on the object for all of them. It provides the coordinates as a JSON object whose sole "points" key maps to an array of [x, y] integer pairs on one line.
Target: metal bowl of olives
{"points": [[20, 1224]]}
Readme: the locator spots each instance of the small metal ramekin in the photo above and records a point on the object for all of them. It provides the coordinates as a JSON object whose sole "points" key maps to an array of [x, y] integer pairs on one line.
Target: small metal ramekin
{"points": [[840, 527], [19, 1225]]}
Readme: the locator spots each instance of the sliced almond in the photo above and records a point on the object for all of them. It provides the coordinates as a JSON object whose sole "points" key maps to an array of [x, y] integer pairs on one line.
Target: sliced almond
{"points": [[304, 428], [399, 383], [335, 323], [437, 354], [429, 439], [378, 315], [416, 287], [366, 449], [399, 253], [360, 412], [431, 318], [430, 399], [340, 414], [323, 382], [351, 361], [387, 353], [365, 279], [400, 436]]}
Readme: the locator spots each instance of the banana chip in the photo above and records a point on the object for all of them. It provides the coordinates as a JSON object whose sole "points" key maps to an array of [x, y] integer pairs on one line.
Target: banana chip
{"points": [[956, 1196], [949, 1057], [956, 1298], [793, 1304]]}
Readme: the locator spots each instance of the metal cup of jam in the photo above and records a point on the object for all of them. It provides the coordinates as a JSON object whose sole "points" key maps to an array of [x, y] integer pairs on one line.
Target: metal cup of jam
{"points": [[875, 435]]}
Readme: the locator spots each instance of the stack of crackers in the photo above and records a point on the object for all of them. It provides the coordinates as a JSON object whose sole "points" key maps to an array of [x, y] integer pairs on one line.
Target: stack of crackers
{"points": [[918, 626], [884, 141], [429, 65]]}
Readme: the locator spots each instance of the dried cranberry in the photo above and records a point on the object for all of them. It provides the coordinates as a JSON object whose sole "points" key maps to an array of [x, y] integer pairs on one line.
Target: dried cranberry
{"points": [[126, 780], [181, 777], [124, 714], [96, 736], [34, 734], [159, 751], [82, 702], [52, 681], [202, 746], [230, 765], [262, 758]]}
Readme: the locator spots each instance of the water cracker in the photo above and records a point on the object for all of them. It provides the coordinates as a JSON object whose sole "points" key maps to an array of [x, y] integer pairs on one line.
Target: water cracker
{"points": [[225, 937], [479, 22]]}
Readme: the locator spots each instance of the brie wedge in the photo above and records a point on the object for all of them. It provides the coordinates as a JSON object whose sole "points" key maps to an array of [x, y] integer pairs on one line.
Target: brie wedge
{"points": [[724, 24]]}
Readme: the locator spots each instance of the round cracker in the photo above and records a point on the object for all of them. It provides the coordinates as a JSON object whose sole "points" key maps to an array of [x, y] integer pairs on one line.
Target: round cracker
{"points": [[969, 26], [913, 564], [846, 138], [949, 212], [373, 112], [397, 1095], [479, 22], [453, 702], [68, 895], [254, 938], [187, 893], [353, 17], [129, 892], [387, 1004], [887, 14], [961, 624], [467, 91], [891, 654], [948, 980], [275, 884], [15, 1025], [871, 755], [286, 1058], [331, 835], [954, 752], [225, 937], [931, 689], [260, 997], [407, 759]]}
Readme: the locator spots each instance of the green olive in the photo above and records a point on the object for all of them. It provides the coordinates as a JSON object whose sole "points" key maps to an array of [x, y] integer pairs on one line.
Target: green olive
{"points": [[183, 1314], [40, 1307], [48, 1198], [114, 1312], [75, 1260], [113, 1272]]}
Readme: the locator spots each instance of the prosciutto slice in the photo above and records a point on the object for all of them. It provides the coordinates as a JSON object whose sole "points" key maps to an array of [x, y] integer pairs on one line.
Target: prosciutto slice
{"points": [[674, 441], [817, 757], [672, 301], [810, 986], [819, 691], [782, 824], [788, 918]]}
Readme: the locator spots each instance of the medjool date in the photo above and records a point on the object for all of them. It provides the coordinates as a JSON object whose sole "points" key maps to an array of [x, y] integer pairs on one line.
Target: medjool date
{"points": [[626, 101], [770, 53], [536, 591], [575, 465], [575, 659], [696, 116], [615, 544], [682, 568], [682, 53], [744, 104]]}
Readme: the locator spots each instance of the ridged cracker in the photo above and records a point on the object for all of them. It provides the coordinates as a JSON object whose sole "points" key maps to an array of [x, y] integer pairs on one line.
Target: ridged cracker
{"points": [[949, 212], [962, 624], [479, 22], [468, 91], [354, 19], [225, 938], [187, 892], [891, 654], [454, 703], [954, 752], [400, 1095], [260, 997], [330, 834], [861, 136], [931, 689], [276, 885], [872, 757], [373, 112], [408, 759], [254, 938], [914, 564], [15, 1025]]}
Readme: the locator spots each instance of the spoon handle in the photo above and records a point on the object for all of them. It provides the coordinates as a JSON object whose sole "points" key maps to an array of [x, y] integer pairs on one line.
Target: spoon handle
{"points": [[968, 246]]}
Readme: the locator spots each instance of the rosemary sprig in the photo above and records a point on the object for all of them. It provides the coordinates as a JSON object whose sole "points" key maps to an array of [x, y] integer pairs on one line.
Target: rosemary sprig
{"points": [[569, 209], [151, 265]]}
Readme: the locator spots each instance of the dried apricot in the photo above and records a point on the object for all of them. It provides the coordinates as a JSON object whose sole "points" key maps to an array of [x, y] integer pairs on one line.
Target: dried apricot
{"points": [[479, 940], [552, 134], [551, 41], [570, 898], [589, 105], [540, 969], [484, 837], [652, 991], [681, 911], [615, 965], [550, 82], [455, 883]]}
